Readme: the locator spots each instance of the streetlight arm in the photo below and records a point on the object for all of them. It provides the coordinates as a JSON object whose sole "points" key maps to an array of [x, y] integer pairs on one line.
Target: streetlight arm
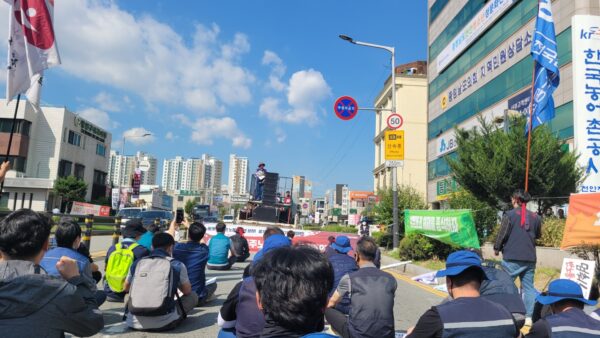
{"points": [[360, 43]]}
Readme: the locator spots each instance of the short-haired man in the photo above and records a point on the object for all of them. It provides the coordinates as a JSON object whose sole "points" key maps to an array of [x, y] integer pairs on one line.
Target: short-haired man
{"points": [[568, 319], [516, 240], [240, 312], [222, 255], [115, 275], [68, 240], [33, 303], [194, 255], [163, 244], [342, 265], [292, 285], [467, 314], [371, 293]]}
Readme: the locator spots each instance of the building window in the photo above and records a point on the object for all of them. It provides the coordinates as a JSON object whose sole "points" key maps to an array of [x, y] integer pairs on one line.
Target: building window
{"points": [[99, 177], [79, 171], [22, 127], [101, 149], [64, 168], [17, 163], [74, 138]]}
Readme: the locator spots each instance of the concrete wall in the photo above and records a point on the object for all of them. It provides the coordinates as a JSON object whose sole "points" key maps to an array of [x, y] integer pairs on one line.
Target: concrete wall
{"points": [[546, 257]]}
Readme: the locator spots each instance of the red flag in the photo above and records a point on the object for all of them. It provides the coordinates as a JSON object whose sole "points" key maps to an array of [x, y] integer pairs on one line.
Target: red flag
{"points": [[31, 47]]}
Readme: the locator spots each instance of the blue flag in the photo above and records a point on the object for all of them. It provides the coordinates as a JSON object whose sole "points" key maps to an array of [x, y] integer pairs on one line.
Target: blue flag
{"points": [[545, 55]]}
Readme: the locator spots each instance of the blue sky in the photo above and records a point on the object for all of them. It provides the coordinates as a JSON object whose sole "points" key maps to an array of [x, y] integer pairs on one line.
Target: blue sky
{"points": [[254, 78]]}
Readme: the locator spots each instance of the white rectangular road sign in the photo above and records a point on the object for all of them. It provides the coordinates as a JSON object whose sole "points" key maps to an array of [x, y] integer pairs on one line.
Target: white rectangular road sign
{"points": [[394, 164]]}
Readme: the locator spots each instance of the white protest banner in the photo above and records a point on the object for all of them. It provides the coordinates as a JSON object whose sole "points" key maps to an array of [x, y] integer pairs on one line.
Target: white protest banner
{"points": [[579, 271]]}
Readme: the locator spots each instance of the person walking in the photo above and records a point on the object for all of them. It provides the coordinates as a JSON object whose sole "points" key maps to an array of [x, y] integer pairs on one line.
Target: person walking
{"points": [[516, 240]]}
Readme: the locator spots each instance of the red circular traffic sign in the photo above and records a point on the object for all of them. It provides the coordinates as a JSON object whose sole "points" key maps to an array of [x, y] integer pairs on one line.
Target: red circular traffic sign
{"points": [[345, 108], [395, 121]]}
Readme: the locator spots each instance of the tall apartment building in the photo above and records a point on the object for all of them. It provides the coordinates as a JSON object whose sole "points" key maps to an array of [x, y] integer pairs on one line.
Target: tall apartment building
{"points": [[121, 168], [480, 65], [298, 188], [49, 144], [238, 175], [192, 174], [411, 104]]}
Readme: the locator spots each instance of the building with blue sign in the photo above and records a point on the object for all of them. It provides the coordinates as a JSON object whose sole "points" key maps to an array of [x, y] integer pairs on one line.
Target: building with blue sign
{"points": [[479, 63]]}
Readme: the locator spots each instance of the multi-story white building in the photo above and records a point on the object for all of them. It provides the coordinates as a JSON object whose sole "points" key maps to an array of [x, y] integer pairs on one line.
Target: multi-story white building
{"points": [[238, 175], [49, 144], [193, 174], [298, 187], [121, 168]]}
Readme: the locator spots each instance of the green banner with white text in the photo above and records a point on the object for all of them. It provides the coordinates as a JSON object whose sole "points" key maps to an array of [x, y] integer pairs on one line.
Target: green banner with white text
{"points": [[454, 227]]}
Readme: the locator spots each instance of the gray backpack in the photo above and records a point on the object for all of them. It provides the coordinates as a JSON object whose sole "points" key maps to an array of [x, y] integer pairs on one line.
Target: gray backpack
{"points": [[154, 287]]}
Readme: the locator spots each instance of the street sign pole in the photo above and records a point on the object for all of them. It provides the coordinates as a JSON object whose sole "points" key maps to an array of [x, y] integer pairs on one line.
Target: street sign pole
{"points": [[395, 228]]}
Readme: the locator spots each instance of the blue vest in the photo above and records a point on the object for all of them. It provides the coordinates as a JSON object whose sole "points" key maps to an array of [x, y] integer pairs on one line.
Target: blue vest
{"points": [[342, 264], [475, 317], [250, 320], [194, 256], [218, 248], [52, 256], [573, 323], [372, 297]]}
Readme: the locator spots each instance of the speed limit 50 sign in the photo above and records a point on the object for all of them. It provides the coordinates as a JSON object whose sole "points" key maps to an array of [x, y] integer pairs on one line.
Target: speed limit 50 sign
{"points": [[395, 121]]}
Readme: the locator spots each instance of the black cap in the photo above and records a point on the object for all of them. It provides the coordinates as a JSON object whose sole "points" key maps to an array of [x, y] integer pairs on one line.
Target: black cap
{"points": [[133, 228]]}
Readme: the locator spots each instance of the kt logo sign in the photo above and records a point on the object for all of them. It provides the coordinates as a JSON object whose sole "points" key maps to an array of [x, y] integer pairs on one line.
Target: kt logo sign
{"points": [[591, 33]]}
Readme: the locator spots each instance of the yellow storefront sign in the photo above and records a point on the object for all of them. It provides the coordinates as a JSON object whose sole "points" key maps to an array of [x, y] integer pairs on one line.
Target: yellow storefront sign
{"points": [[394, 145]]}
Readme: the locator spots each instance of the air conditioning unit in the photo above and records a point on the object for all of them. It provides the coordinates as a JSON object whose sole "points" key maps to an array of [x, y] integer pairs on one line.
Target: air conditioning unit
{"points": [[412, 71]]}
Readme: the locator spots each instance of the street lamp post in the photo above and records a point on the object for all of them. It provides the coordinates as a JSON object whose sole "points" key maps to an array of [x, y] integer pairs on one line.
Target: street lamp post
{"points": [[395, 229], [123, 160]]}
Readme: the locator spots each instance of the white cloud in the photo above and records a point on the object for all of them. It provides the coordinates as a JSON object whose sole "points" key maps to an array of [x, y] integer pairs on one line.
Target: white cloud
{"points": [[101, 43], [280, 135], [134, 135], [98, 117], [110, 103], [169, 136], [277, 70], [206, 130], [306, 90]]}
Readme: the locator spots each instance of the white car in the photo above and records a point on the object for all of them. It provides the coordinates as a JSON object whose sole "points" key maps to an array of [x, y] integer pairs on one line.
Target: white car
{"points": [[228, 219]]}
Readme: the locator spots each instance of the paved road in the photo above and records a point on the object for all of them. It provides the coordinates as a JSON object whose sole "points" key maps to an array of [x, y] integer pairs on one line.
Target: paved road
{"points": [[411, 301]]}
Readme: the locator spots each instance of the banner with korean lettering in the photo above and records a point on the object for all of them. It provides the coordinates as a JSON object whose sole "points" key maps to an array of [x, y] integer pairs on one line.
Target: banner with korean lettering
{"points": [[81, 208], [455, 227], [583, 221], [586, 98], [580, 272]]}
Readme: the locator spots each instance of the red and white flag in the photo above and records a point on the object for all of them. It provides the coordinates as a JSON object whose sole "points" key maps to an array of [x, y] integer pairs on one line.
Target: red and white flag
{"points": [[31, 47]]}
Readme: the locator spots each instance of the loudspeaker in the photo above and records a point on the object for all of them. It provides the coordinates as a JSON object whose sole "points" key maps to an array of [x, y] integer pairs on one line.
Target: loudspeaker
{"points": [[265, 214]]}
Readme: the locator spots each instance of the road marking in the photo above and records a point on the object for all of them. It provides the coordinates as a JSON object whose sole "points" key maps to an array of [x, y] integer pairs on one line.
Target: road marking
{"points": [[419, 285]]}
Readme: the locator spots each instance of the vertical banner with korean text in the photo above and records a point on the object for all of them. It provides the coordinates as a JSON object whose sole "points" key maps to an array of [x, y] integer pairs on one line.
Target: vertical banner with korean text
{"points": [[586, 97]]}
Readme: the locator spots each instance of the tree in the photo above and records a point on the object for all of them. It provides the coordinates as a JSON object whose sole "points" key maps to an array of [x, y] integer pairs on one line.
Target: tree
{"points": [[189, 207], [490, 164], [71, 189], [408, 198], [484, 216]]}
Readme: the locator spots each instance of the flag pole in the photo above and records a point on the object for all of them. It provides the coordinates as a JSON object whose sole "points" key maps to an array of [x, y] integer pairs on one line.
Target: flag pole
{"points": [[527, 164], [10, 139]]}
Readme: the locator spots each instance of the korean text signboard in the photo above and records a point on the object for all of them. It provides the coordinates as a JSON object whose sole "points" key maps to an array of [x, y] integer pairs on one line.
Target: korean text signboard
{"points": [[580, 272], [479, 24], [394, 147], [455, 227], [586, 97]]}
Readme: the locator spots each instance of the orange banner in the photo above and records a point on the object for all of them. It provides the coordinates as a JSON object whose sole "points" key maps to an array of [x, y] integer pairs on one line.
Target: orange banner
{"points": [[583, 221]]}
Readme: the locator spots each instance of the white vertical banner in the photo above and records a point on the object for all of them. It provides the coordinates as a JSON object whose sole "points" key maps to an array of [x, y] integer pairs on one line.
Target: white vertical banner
{"points": [[586, 97], [115, 198]]}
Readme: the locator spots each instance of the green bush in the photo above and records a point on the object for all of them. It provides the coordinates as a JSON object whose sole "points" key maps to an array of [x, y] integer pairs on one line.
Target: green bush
{"points": [[332, 228], [552, 232], [383, 239], [419, 247]]}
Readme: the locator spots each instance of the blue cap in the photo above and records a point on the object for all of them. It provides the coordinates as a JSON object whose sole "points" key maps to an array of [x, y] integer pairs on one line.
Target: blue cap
{"points": [[563, 289], [459, 261], [272, 242], [342, 244]]}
